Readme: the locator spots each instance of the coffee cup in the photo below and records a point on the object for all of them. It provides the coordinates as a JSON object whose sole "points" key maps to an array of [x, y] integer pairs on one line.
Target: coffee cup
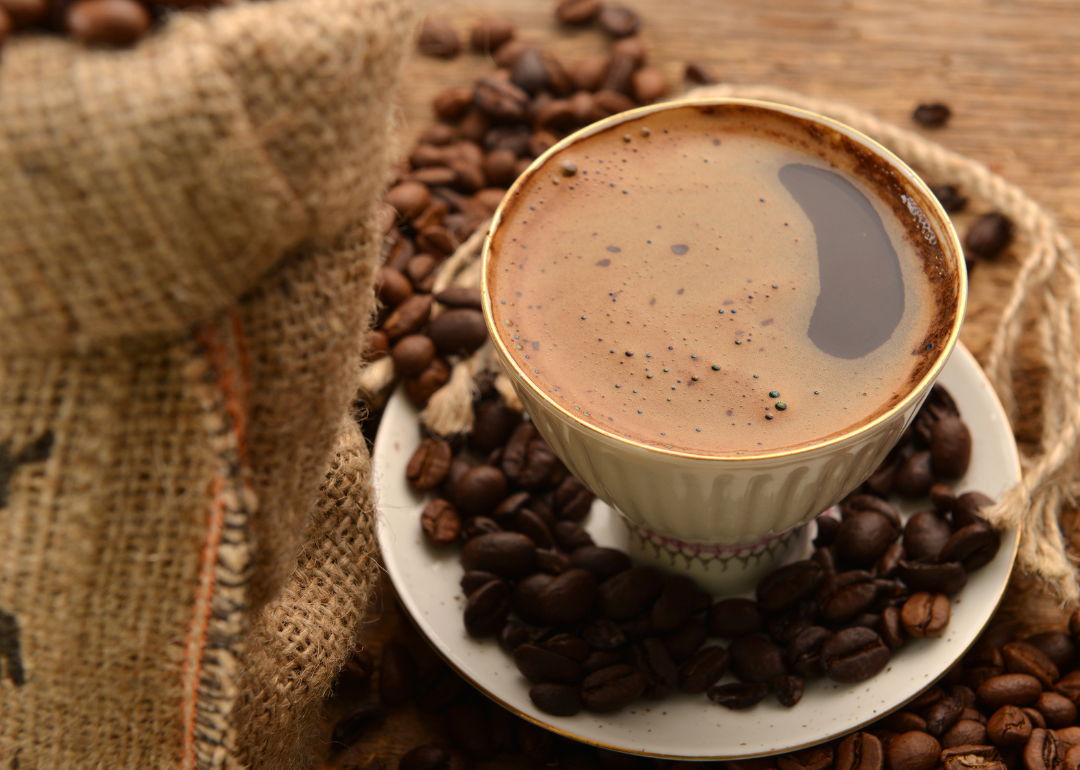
{"points": [[808, 284]]}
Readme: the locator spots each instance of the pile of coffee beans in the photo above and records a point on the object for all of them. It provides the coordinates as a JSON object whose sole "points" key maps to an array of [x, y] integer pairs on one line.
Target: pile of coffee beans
{"points": [[1009, 704], [95, 22], [592, 631]]}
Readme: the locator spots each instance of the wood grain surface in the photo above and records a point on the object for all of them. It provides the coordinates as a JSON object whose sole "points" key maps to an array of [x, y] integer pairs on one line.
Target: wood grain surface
{"points": [[1009, 69]]}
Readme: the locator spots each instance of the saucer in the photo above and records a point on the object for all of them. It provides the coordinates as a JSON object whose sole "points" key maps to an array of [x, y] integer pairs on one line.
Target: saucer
{"points": [[690, 726]]}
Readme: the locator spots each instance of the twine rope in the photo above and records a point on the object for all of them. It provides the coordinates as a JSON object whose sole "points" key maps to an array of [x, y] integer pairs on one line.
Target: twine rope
{"points": [[1046, 286]]}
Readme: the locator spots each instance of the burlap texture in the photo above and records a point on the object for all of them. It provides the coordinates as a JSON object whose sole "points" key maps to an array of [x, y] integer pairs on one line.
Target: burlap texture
{"points": [[187, 244]]}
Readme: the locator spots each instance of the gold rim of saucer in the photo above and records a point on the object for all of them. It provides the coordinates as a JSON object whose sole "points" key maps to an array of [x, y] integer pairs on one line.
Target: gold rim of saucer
{"points": [[929, 201]]}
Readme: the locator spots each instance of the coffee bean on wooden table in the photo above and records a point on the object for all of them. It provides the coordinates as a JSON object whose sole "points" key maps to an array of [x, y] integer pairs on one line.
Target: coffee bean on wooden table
{"points": [[1009, 690], [490, 33], [577, 11], [989, 235], [860, 751], [950, 198], [932, 115], [437, 37]]}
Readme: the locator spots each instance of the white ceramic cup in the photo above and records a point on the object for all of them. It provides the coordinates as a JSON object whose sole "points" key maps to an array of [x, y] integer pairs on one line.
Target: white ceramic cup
{"points": [[727, 519]]}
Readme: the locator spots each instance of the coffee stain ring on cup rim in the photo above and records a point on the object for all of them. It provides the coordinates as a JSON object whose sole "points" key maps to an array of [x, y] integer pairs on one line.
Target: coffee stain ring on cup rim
{"points": [[949, 240]]}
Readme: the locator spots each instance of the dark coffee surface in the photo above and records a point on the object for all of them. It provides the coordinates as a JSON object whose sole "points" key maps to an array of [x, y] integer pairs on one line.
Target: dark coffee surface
{"points": [[709, 281]]}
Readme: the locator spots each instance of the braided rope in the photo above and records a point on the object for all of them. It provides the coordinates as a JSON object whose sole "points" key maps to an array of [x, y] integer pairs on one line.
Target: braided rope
{"points": [[1046, 287]]}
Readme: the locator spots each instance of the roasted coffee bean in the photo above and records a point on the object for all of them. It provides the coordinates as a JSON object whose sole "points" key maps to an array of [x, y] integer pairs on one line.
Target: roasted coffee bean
{"points": [[599, 659], [754, 659], [376, 346], [475, 579], [527, 594], [426, 757], [947, 577], [492, 426], [459, 466], [971, 757], [452, 103], [500, 99], [460, 297], [540, 665], [950, 448], [932, 115], [738, 695], [412, 354], [439, 689], [827, 529], [533, 527], [573, 500], [943, 715], [392, 287], [863, 537], [438, 38], [913, 751], [859, 503], [1069, 686], [903, 721], [827, 558], [513, 634], [1035, 716], [1024, 658], [421, 388], [490, 33], [567, 598], [1057, 710], [813, 758], [963, 733], [965, 694], [603, 563], [860, 751], [925, 534], [557, 699], [783, 628], [1010, 690], [517, 449], [612, 688], [351, 728], [926, 615], [804, 651], [703, 669], [1057, 646], [652, 659], [552, 562], [587, 74], [699, 73], [854, 654], [950, 198], [1068, 738], [887, 566], [440, 522], [620, 73], [789, 689], [612, 102], [528, 72], [686, 640], [571, 536], [989, 235], [1042, 751], [507, 554], [1008, 726], [730, 618], [678, 600], [915, 476], [458, 332], [618, 20], [967, 507], [409, 198], [943, 497], [429, 464], [569, 645], [603, 634], [408, 317], [891, 628], [480, 491], [843, 596], [973, 546], [397, 674], [110, 22], [487, 609], [629, 593], [647, 85], [577, 11], [789, 585]]}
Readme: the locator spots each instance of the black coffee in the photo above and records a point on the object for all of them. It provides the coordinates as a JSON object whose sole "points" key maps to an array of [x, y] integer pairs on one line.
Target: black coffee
{"points": [[720, 280]]}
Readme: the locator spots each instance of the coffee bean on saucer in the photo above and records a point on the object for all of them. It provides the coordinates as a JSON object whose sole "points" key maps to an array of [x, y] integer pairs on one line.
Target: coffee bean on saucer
{"points": [[915, 476], [854, 654], [950, 448], [843, 596], [966, 509], [973, 546], [507, 554], [945, 577], [926, 615], [429, 464], [487, 608], [602, 562], [559, 700], [568, 597], [864, 536], [754, 659], [540, 665], [804, 651], [440, 522], [730, 618], [738, 695], [789, 585], [925, 534], [612, 688], [703, 669], [789, 689], [629, 593]]}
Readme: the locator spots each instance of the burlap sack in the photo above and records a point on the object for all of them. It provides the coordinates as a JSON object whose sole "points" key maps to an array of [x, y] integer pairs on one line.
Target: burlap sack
{"points": [[187, 244]]}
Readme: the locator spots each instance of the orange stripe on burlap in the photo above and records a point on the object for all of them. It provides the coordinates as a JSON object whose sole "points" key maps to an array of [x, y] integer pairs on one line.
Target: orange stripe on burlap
{"points": [[234, 396]]}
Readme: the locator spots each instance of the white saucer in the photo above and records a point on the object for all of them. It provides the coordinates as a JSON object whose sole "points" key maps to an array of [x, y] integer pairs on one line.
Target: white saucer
{"points": [[686, 726]]}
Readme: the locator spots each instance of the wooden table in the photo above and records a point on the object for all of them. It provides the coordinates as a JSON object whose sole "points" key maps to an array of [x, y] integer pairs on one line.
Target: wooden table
{"points": [[1009, 69]]}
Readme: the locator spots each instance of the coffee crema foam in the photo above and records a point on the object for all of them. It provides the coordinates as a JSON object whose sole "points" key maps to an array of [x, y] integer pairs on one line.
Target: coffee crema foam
{"points": [[662, 281]]}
